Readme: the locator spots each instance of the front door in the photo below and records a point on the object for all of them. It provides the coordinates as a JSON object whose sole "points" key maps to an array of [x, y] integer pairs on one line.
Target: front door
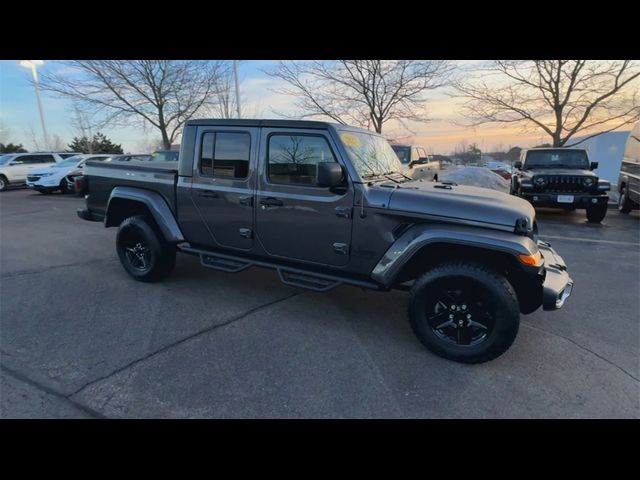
{"points": [[295, 218], [222, 188]]}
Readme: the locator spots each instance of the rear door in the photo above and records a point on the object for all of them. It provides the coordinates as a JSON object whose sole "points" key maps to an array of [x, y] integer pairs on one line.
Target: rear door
{"points": [[223, 183], [29, 162], [295, 218]]}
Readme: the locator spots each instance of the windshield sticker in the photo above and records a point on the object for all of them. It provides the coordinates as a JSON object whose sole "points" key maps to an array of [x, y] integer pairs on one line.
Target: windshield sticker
{"points": [[350, 139]]}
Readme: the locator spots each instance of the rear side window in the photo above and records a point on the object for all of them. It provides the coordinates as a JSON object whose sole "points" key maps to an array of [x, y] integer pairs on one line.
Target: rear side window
{"points": [[225, 154], [294, 158], [31, 159]]}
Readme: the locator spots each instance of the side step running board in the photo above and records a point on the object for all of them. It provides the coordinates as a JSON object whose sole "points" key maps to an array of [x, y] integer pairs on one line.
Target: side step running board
{"points": [[304, 280], [318, 282], [222, 263]]}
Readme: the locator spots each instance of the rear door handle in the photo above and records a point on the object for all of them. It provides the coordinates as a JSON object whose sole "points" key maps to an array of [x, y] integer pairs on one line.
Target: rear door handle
{"points": [[271, 202], [207, 194]]}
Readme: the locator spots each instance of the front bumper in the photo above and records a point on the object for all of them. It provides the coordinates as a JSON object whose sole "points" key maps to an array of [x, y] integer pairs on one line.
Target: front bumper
{"points": [[558, 284], [550, 199], [44, 183]]}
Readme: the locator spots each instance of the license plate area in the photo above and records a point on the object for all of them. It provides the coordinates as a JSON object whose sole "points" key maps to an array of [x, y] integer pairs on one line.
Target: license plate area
{"points": [[565, 198]]}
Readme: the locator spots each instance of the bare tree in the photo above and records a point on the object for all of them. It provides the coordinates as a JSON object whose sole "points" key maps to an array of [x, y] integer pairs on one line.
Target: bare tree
{"points": [[160, 93], [55, 143], [82, 125], [562, 98], [5, 132], [367, 93]]}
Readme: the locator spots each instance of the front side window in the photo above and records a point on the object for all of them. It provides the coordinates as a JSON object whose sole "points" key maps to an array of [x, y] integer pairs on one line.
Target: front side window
{"points": [[403, 153], [225, 154], [295, 158]]}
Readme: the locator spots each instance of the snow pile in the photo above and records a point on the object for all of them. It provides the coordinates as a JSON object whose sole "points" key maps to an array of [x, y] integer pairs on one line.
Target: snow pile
{"points": [[476, 177]]}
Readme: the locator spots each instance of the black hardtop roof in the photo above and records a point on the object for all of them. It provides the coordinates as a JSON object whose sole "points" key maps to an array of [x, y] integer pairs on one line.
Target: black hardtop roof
{"points": [[313, 124], [553, 148]]}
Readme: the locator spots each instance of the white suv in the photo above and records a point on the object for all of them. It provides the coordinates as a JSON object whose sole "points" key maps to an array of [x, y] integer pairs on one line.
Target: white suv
{"points": [[14, 167]]}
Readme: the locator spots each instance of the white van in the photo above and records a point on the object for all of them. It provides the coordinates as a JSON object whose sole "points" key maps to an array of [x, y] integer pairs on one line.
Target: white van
{"points": [[629, 178]]}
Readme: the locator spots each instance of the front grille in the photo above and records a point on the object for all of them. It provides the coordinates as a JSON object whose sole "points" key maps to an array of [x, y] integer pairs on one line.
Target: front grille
{"points": [[563, 184], [33, 178]]}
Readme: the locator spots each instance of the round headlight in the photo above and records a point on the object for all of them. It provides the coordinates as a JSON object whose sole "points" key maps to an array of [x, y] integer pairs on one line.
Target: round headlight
{"points": [[588, 182], [539, 181]]}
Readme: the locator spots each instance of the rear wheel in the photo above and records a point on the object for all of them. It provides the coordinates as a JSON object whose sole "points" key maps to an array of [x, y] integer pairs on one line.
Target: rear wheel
{"points": [[464, 312], [596, 213], [625, 205], [144, 254], [4, 183]]}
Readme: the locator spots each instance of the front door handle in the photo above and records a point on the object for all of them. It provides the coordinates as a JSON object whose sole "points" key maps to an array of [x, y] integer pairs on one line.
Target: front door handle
{"points": [[207, 194], [271, 202], [248, 201]]}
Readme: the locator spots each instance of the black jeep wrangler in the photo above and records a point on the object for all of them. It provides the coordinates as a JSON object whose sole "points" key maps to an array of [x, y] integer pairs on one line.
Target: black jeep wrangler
{"points": [[561, 178], [325, 205]]}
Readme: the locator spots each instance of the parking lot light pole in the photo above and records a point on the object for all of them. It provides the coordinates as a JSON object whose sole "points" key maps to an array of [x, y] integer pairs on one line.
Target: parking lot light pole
{"points": [[32, 64]]}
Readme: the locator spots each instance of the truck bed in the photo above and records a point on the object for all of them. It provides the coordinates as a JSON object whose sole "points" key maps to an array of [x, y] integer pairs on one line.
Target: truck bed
{"points": [[103, 177]]}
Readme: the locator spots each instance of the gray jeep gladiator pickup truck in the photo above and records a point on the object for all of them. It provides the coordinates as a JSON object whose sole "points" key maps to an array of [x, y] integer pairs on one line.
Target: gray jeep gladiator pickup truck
{"points": [[325, 205], [561, 178]]}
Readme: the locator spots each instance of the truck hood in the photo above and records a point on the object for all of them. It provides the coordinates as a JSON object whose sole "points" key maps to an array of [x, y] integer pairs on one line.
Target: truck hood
{"points": [[54, 171], [557, 171], [458, 203]]}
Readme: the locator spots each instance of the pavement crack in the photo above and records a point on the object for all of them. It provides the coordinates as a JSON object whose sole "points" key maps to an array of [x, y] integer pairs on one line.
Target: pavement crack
{"points": [[183, 340], [50, 391], [587, 349], [54, 267]]}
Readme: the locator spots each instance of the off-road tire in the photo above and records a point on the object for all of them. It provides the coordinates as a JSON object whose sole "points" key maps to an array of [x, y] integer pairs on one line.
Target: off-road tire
{"points": [[160, 255], [596, 213], [625, 205], [495, 289]]}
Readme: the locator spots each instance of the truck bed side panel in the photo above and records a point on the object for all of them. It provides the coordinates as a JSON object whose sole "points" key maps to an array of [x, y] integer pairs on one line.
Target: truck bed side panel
{"points": [[159, 177]]}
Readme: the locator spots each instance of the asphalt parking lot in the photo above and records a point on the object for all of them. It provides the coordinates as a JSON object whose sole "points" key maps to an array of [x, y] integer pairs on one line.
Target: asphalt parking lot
{"points": [[81, 339]]}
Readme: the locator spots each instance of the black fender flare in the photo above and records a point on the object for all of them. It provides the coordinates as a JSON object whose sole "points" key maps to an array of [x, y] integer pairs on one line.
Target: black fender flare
{"points": [[156, 204], [415, 238]]}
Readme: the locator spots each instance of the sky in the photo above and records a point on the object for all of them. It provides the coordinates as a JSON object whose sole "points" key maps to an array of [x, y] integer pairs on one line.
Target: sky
{"points": [[20, 121]]}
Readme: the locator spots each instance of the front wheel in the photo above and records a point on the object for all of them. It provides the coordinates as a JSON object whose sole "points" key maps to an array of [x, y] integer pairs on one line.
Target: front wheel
{"points": [[63, 186], [596, 213], [143, 252], [624, 203], [4, 183], [464, 312]]}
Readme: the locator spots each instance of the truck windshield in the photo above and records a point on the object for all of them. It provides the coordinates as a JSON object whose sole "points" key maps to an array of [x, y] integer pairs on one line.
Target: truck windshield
{"points": [[371, 155], [557, 158]]}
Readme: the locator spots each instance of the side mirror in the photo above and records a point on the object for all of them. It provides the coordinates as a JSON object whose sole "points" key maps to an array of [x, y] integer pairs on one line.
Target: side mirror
{"points": [[518, 165], [593, 165], [330, 174]]}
